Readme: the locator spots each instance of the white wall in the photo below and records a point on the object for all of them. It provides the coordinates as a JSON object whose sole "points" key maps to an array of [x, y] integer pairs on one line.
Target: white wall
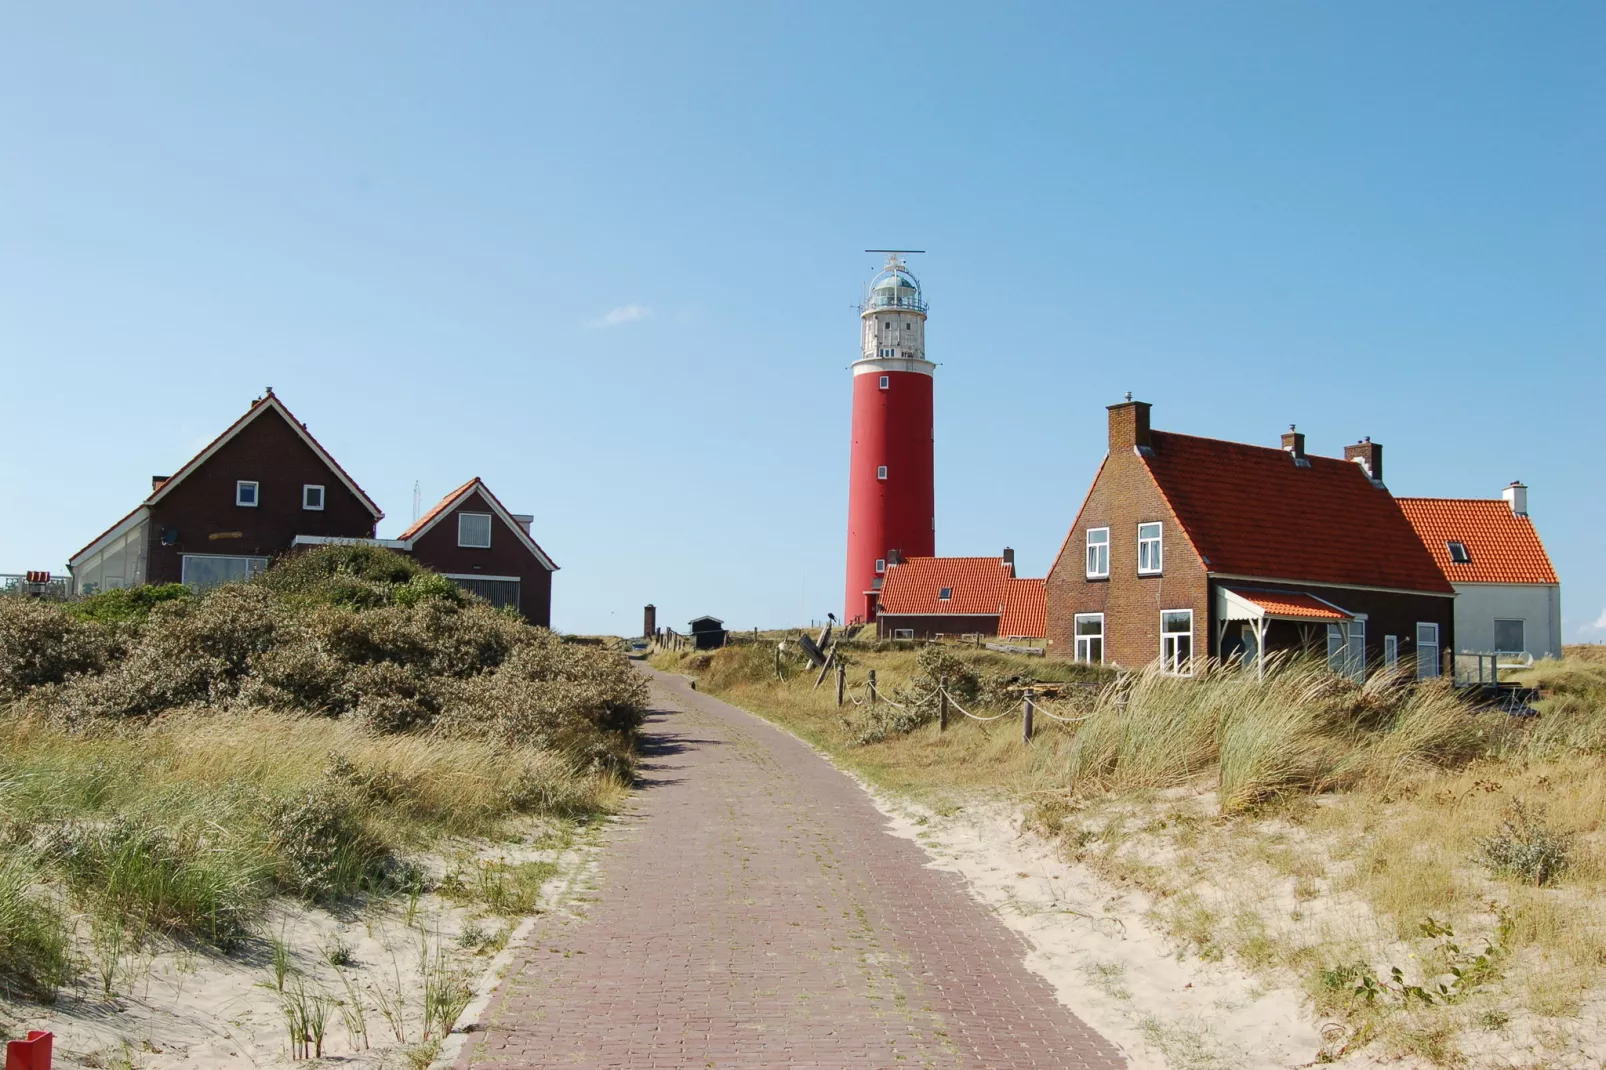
{"points": [[1537, 605]]}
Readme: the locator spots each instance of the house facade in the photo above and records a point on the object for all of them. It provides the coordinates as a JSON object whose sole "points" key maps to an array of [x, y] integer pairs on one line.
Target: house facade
{"points": [[472, 539], [1508, 597], [237, 503], [1188, 547], [927, 597]]}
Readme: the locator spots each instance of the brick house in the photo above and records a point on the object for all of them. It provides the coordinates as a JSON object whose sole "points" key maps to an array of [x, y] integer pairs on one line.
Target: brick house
{"points": [[471, 538], [1189, 547], [1507, 594], [265, 486], [924, 597], [242, 499]]}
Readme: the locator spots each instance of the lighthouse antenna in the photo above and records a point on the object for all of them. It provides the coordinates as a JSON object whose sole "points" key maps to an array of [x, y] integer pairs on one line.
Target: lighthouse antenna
{"points": [[898, 251]]}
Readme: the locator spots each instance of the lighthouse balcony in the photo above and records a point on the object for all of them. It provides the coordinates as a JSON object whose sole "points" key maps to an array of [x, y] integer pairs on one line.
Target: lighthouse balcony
{"points": [[884, 300]]}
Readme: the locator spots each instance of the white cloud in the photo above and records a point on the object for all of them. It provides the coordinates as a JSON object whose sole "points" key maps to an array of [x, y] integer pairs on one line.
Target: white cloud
{"points": [[1600, 622], [623, 314]]}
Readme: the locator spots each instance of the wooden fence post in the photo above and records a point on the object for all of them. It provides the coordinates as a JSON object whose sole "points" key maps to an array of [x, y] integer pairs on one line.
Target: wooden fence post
{"points": [[778, 675], [942, 704], [841, 681], [1029, 708], [872, 687]]}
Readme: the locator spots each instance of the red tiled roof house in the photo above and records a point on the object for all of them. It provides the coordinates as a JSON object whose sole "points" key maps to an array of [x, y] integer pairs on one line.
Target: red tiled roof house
{"points": [[470, 537], [1507, 594], [1188, 547], [242, 499], [924, 597]]}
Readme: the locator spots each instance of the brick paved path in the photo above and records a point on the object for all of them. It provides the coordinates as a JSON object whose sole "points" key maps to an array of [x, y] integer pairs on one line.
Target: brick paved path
{"points": [[752, 912]]}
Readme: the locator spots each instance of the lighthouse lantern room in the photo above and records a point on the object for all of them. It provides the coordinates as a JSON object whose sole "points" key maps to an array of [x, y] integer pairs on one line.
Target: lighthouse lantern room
{"points": [[891, 496]]}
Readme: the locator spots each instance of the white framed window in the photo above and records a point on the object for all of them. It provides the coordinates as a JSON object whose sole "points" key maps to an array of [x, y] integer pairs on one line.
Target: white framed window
{"points": [[201, 571], [1427, 650], [1508, 637], [1090, 637], [903, 633], [312, 497], [474, 530], [880, 565], [881, 471], [1176, 641], [1346, 649], [1098, 553], [886, 381], [1458, 553], [247, 493], [1149, 558], [1391, 652]]}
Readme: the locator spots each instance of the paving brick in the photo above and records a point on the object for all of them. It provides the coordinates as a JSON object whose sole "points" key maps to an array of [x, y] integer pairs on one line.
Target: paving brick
{"points": [[753, 911]]}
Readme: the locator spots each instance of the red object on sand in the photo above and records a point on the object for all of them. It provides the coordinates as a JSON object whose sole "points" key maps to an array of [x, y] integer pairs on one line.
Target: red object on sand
{"points": [[30, 1054]]}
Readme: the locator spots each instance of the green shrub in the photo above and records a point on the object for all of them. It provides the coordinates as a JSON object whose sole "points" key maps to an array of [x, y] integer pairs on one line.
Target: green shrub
{"points": [[41, 643], [1526, 847], [323, 849], [130, 605]]}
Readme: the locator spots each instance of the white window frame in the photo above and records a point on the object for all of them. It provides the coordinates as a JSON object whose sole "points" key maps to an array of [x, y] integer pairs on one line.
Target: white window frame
{"points": [[886, 382], [239, 491], [323, 496], [1391, 652], [880, 565], [903, 633], [1427, 669], [881, 471], [1155, 558], [1085, 641], [1171, 659], [486, 545], [253, 565], [1346, 648], [1098, 554]]}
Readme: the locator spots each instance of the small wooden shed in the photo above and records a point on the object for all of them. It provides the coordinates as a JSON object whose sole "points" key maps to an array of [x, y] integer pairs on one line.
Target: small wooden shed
{"points": [[707, 633]]}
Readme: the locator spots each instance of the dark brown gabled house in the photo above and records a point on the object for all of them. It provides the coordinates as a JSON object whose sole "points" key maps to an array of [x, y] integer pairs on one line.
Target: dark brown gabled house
{"points": [[1189, 547], [471, 538], [242, 499]]}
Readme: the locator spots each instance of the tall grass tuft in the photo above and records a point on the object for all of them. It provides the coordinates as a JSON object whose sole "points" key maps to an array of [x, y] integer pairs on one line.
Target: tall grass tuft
{"points": [[34, 934]]}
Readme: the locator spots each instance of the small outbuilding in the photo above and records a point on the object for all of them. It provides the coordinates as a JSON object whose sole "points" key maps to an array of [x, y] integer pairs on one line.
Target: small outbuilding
{"points": [[707, 633]]}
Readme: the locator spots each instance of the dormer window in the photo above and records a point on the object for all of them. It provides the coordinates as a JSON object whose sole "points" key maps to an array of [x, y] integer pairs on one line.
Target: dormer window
{"points": [[474, 530], [246, 493], [944, 594], [312, 497], [1458, 553]]}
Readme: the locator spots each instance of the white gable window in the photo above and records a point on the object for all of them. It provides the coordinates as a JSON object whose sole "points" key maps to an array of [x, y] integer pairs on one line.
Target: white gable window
{"points": [[1098, 553], [1090, 637], [246, 493], [1148, 549], [312, 497], [1176, 641], [474, 530], [1427, 650]]}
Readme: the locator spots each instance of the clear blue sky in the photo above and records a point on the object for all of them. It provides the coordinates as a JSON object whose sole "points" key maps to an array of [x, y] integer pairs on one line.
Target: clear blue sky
{"points": [[605, 257]]}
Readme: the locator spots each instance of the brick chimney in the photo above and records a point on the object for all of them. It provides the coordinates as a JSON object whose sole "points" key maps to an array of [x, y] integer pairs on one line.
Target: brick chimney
{"points": [[1009, 560], [1129, 425], [1294, 443], [1516, 496], [1369, 455], [892, 558]]}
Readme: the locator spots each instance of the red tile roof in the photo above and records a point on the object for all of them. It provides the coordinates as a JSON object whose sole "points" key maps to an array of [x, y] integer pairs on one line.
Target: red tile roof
{"points": [[1504, 547], [1288, 605], [423, 522], [975, 584], [1025, 609], [1251, 511]]}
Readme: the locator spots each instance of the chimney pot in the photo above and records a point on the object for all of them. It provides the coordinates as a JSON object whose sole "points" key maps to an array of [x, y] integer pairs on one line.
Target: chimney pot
{"points": [[1129, 425], [1369, 455], [892, 558], [1009, 559], [1516, 496]]}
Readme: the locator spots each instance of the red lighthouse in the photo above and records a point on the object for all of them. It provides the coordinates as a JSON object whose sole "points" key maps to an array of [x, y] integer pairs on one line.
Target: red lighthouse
{"points": [[891, 499]]}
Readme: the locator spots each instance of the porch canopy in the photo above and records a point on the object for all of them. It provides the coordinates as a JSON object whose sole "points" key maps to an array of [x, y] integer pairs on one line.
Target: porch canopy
{"points": [[1258, 608]]}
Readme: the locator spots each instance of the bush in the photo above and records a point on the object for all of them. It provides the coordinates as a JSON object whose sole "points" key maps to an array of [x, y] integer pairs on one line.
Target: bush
{"points": [[41, 643], [131, 605], [323, 849], [1526, 848], [356, 577]]}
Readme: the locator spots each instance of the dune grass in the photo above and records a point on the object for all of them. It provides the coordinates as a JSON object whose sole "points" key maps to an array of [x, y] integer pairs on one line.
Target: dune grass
{"points": [[1305, 829]]}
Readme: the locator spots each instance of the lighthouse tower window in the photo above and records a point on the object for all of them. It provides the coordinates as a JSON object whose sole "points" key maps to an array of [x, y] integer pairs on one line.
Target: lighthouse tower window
{"points": [[881, 471], [886, 381]]}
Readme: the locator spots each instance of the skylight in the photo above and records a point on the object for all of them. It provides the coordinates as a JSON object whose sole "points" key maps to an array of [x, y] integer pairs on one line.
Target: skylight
{"points": [[1458, 553], [945, 594]]}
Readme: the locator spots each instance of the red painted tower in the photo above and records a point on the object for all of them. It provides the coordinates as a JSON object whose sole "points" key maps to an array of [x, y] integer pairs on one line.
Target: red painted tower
{"points": [[891, 498]]}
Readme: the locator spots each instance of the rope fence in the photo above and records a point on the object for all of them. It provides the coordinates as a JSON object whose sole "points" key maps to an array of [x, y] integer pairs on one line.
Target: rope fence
{"points": [[872, 693]]}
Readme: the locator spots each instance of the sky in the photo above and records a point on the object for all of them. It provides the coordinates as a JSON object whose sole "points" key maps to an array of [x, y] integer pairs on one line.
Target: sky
{"points": [[607, 257]]}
